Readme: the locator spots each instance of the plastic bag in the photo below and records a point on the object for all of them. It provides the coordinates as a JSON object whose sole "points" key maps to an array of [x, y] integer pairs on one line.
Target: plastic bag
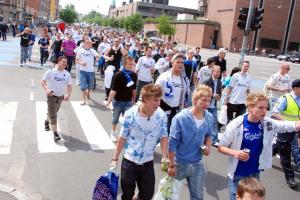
{"points": [[222, 118], [169, 189], [106, 187]]}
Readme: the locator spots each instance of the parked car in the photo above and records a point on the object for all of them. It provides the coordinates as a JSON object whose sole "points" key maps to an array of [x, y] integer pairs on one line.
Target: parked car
{"points": [[272, 55], [285, 57], [295, 58]]}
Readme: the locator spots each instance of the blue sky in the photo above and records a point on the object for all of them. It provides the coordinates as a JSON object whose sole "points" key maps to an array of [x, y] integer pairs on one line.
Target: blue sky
{"points": [[85, 6]]}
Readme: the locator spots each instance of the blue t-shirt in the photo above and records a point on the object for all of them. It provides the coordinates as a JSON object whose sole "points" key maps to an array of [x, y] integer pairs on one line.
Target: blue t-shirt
{"points": [[252, 140]]}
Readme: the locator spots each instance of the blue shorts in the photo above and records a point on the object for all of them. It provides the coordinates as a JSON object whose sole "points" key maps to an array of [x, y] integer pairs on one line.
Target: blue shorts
{"points": [[119, 107], [86, 80]]}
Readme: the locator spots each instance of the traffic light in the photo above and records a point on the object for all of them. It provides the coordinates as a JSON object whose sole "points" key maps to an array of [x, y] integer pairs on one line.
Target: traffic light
{"points": [[256, 19], [243, 18]]}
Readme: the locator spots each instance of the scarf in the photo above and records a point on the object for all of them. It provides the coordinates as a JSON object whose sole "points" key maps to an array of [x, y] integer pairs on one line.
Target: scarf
{"points": [[128, 78]]}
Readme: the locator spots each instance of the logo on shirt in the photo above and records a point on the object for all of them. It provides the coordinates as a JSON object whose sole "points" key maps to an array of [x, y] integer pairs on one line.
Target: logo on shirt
{"points": [[253, 136], [269, 126]]}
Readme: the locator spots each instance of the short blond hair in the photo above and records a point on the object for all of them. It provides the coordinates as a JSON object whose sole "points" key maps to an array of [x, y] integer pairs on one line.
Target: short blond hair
{"points": [[252, 186], [151, 90], [253, 98], [202, 91]]}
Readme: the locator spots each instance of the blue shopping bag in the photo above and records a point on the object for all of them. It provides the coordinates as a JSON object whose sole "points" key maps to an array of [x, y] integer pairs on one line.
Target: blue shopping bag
{"points": [[106, 187]]}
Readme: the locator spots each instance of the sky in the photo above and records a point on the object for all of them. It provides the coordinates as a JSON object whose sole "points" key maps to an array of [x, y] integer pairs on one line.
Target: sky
{"points": [[85, 6]]}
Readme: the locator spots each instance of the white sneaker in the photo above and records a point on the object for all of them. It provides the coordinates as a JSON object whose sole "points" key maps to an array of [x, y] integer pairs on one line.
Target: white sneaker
{"points": [[113, 136]]}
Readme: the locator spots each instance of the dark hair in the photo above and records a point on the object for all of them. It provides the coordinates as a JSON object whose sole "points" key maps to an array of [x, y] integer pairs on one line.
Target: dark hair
{"points": [[61, 57], [210, 60], [235, 70], [246, 61], [250, 185]]}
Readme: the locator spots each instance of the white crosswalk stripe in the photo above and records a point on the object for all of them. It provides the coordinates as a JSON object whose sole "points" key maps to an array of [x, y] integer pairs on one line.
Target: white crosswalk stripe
{"points": [[8, 111], [46, 143], [91, 128]]}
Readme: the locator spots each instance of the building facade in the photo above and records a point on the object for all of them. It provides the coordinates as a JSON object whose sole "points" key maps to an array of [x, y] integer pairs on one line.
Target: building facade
{"points": [[270, 37], [152, 10], [11, 10]]}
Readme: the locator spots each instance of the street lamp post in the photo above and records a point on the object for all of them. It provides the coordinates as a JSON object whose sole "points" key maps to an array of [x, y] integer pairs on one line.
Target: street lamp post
{"points": [[246, 32]]}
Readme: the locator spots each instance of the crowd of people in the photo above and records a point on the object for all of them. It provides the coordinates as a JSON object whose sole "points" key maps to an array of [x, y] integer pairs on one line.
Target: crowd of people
{"points": [[171, 97]]}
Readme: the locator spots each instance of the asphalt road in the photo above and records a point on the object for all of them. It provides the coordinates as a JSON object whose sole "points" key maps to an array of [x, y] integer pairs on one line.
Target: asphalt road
{"points": [[35, 166]]}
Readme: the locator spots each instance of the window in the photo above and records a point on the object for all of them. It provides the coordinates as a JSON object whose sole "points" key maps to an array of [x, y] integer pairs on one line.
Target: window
{"points": [[293, 46], [269, 43]]}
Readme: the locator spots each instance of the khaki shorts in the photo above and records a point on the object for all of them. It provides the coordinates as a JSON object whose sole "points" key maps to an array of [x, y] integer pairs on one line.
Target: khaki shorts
{"points": [[53, 107]]}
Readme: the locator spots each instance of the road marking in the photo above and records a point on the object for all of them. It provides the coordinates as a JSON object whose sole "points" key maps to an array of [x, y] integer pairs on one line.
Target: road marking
{"points": [[32, 82], [93, 130], [31, 98], [46, 143], [8, 111]]}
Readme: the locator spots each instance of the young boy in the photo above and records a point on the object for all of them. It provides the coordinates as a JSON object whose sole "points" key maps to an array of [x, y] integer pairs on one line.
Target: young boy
{"points": [[250, 189]]}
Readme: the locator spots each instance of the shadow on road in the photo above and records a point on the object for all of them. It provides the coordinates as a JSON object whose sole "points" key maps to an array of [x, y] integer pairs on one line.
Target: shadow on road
{"points": [[214, 183], [74, 144]]}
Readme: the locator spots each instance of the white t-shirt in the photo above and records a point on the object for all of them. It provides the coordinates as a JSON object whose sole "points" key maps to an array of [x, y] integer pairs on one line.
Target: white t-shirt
{"points": [[77, 37], [239, 84], [57, 81], [280, 82], [108, 74], [177, 87], [144, 67], [204, 74], [162, 65], [86, 56], [103, 47], [198, 122]]}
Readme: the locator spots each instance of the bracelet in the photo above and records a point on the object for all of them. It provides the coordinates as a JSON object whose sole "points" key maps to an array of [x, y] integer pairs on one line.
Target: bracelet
{"points": [[171, 166], [114, 159]]}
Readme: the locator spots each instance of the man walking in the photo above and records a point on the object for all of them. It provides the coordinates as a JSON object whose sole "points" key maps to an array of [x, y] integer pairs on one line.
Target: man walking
{"points": [[24, 45], [248, 141], [143, 126], [123, 93], [288, 108], [54, 83], [190, 138]]}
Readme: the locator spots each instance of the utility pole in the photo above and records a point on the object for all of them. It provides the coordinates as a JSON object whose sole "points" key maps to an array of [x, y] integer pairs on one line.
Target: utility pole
{"points": [[246, 32], [255, 36]]}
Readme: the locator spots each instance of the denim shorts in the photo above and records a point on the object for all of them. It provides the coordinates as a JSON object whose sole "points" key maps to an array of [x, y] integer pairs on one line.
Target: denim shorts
{"points": [[86, 80], [119, 107]]}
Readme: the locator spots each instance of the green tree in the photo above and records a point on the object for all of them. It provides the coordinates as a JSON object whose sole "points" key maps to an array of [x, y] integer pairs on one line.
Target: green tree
{"points": [[164, 26], [134, 23], [68, 14], [93, 17]]}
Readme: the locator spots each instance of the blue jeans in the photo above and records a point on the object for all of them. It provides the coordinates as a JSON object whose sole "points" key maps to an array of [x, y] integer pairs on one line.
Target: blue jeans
{"points": [[214, 113], [30, 51], [295, 150], [272, 102], [195, 175], [24, 54], [119, 107], [86, 80], [232, 184]]}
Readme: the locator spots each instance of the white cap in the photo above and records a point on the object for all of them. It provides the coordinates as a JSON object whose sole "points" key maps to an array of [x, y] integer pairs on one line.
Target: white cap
{"points": [[222, 50], [178, 55]]}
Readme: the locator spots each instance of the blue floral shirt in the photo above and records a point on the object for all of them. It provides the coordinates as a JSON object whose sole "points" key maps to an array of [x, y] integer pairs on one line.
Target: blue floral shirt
{"points": [[141, 141]]}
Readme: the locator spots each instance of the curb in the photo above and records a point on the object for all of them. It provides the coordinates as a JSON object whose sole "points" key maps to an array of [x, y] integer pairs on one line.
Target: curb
{"points": [[11, 191]]}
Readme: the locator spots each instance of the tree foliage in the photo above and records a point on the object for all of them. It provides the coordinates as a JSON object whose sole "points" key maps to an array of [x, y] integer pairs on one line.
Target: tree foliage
{"points": [[164, 26], [93, 17], [134, 23], [68, 14]]}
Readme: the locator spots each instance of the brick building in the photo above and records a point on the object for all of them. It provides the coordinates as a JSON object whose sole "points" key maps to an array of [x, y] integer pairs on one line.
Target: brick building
{"points": [[11, 10], [225, 33], [270, 36]]}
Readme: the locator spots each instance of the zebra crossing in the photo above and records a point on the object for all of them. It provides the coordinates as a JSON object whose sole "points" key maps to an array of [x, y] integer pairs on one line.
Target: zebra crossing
{"points": [[91, 128]]}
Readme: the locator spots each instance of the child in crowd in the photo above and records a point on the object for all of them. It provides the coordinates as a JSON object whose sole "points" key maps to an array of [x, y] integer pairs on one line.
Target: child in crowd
{"points": [[250, 189]]}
